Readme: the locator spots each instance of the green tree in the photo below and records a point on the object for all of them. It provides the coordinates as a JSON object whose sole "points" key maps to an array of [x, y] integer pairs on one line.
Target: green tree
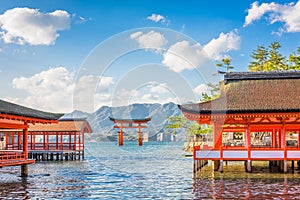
{"points": [[268, 59], [205, 97], [214, 89], [276, 61], [294, 60], [225, 64], [176, 122], [260, 57], [214, 92], [192, 128]]}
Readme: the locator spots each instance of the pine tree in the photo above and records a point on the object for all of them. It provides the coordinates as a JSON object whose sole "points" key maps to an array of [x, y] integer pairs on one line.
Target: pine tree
{"points": [[268, 59], [294, 60], [260, 57], [276, 61], [226, 63]]}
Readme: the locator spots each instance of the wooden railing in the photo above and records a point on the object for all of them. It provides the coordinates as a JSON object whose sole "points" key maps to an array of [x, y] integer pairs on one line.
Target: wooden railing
{"points": [[55, 146], [6, 155], [49, 146], [243, 153]]}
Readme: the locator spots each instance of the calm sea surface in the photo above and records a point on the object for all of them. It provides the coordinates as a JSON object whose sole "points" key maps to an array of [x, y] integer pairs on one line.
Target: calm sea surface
{"points": [[152, 171]]}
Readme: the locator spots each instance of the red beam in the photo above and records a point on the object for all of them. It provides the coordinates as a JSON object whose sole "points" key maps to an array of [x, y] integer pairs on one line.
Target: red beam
{"points": [[12, 125], [27, 119], [130, 126]]}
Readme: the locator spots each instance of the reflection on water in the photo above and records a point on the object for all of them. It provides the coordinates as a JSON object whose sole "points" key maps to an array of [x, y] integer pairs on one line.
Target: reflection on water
{"points": [[234, 183], [150, 171], [153, 171]]}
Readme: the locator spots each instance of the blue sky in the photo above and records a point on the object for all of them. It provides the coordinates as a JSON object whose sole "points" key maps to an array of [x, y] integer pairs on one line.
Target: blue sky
{"points": [[63, 55]]}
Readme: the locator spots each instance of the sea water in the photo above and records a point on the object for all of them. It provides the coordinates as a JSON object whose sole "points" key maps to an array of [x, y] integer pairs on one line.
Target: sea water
{"points": [[152, 171]]}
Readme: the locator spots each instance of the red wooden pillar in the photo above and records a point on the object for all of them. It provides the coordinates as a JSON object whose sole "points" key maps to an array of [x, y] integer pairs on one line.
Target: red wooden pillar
{"points": [[56, 140], [61, 140], [75, 133], [19, 139], [279, 137], [47, 140], [274, 137], [79, 139], [217, 135], [82, 140], [121, 136], [140, 135], [25, 140], [6, 139], [247, 136], [30, 140], [34, 139], [298, 138], [70, 140], [13, 140], [283, 136]]}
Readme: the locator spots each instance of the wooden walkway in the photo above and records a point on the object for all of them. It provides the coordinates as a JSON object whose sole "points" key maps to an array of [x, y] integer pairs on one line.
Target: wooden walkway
{"points": [[275, 156]]}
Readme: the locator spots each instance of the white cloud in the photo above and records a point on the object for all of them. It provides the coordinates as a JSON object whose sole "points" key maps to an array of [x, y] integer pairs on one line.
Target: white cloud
{"points": [[150, 97], [185, 56], [150, 40], [122, 97], [182, 55], [153, 98], [159, 88], [100, 83], [256, 11], [157, 18], [82, 20], [289, 14], [54, 89], [49, 90], [45, 82], [224, 43], [89, 92], [201, 88], [25, 25]]}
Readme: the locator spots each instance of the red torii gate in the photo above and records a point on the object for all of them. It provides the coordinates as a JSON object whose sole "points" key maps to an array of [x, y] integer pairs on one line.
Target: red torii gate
{"points": [[129, 123]]}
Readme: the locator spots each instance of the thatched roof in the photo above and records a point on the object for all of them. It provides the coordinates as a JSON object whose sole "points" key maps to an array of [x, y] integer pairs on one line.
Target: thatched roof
{"points": [[22, 111], [64, 125], [250, 92]]}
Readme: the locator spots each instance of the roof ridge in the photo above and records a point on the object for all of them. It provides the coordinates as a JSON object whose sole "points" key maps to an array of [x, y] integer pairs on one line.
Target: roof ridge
{"points": [[239, 76]]}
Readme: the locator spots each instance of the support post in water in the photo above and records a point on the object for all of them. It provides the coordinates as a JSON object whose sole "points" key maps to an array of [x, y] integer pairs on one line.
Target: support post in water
{"points": [[120, 138], [249, 166], [24, 170]]}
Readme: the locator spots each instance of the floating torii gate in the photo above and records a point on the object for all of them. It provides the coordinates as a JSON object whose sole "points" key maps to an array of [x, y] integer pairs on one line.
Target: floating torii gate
{"points": [[130, 123]]}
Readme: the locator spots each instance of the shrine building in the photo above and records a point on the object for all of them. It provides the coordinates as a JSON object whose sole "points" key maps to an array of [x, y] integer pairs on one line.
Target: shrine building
{"points": [[13, 116], [262, 108]]}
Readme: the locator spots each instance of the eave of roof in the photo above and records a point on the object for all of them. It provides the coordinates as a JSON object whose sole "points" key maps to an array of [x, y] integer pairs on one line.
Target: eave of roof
{"points": [[7, 108], [248, 92], [209, 112], [63, 126]]}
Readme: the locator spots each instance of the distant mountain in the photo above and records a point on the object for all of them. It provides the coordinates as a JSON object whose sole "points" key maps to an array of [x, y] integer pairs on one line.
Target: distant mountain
{"points": [[101, 125]]}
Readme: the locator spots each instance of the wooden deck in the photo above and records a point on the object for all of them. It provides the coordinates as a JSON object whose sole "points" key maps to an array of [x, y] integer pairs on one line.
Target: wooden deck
{"points": [[271, 154], [253, 153]]}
